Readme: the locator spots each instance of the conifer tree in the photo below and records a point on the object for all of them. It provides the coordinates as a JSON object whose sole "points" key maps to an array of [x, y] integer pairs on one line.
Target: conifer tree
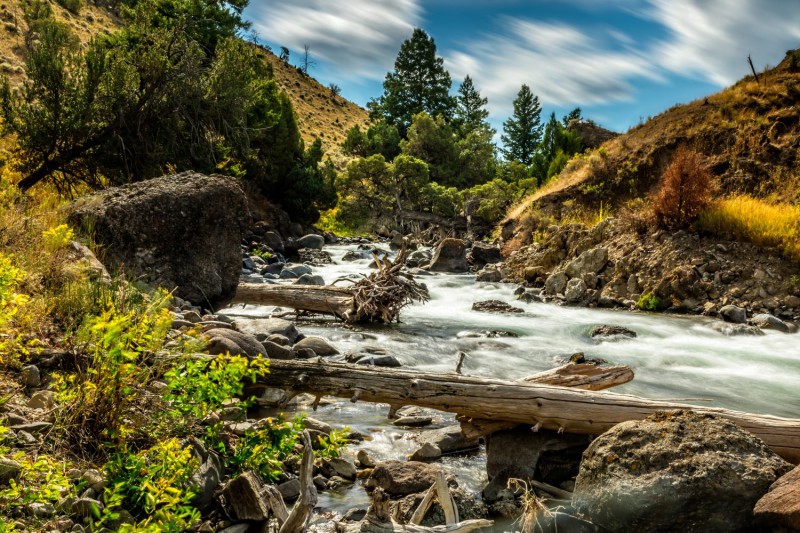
{"points": [[419, 83], [523, 131], [470, 112]]}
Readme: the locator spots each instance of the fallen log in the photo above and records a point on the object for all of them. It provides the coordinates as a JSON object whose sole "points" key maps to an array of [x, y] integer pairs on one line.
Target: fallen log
{"points": [[578, 376], [378, 297], [546, 406]]}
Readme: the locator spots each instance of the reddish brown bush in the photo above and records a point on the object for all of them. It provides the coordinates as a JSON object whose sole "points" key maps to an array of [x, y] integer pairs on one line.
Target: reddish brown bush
{"points": [[686, 189]]}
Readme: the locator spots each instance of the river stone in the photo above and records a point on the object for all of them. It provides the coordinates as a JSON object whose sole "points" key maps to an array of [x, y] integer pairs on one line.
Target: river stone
{"points": [[767, 321], [179, 232], [484, 254], [489, 273], [222, 341], [495, 306], [399, 478], [290, 490], [449, 439], [43, 399], [270, 326], [779, 509], [337, 466], [298, 269], [418, 258], [387, 361], [365, 459], [321, 347], [310, 279], [86, 507], [450, 256], [575, 291], [413, 421], [606, 331], [245, 499], [590, 261], [273, 240], [555, 283], [675, 471], [734, 314], [733, 330], [276, 351], [315, 242], [206, 479]]}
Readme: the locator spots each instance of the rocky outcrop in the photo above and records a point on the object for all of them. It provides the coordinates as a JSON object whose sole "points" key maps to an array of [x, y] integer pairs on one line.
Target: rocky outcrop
{"points": [[180, 232], [675, 471]]}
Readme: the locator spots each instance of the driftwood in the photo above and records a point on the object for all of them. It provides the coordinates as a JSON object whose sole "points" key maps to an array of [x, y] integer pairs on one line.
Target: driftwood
{"points": [[378, 297], [301, 512], [579, 376], [546, 406]]}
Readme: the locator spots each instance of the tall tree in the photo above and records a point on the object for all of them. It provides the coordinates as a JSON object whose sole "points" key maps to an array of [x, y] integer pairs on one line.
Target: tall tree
{"points": [[470, 112], [419, 83], [575, 114], [523, 131]]}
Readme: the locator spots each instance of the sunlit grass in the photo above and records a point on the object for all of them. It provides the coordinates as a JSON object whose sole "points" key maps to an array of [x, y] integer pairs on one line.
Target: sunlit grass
{"points": [[755, 220]]}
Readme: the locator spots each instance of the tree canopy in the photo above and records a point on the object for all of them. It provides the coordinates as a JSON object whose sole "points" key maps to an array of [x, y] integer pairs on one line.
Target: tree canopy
{"points": [[523, 131]]}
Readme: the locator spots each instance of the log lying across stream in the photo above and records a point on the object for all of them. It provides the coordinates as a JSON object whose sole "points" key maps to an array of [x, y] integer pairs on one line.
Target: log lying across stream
{"points": [[550, 407]]}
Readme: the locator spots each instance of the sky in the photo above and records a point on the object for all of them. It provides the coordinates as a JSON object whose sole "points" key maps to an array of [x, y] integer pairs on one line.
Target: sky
{"points": [[620, 61]]}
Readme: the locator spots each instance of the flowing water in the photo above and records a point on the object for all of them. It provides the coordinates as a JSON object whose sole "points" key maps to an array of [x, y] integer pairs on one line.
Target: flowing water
{"points": [[674, 358]]}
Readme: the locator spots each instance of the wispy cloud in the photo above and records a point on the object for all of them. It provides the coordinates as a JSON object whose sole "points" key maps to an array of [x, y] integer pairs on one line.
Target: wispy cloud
{"points": [[561, 63], [360, 37], [710, 39]]}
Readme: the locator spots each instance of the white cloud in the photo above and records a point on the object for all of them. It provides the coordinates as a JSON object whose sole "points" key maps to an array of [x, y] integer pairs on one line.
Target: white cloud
{"points": [[710, 39], [360, 37], [562, 64]]}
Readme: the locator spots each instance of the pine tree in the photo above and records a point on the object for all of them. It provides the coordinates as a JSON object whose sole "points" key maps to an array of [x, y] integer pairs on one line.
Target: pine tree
{"points": [[523, 131], [575, 114], [419, 83], [471, 113]]}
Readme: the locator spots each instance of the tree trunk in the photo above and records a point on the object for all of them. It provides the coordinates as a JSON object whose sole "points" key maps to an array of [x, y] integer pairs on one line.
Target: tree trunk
{"points": [[550, 407], [337, 301]]}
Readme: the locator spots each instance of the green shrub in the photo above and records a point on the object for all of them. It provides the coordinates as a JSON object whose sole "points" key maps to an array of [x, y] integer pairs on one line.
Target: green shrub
{"points": [[651, 302], [73, 6], [265, 448]]}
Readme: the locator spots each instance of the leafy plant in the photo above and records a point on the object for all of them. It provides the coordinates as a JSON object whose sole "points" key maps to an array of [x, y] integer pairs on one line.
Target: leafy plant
{"points": [[43, 480], [155, 486], [57, 238], [651, 302], [11, 302], [332, 444], [264, 449]]}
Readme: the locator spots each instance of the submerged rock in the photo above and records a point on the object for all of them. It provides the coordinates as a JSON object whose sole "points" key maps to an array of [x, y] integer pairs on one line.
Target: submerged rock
{"points": [[734, 314], [675, 471], [495, 306], [767, 321], [606, 331]]}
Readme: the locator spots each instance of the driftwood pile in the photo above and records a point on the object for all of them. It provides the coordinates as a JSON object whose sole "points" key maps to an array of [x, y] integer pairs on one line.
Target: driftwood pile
{"points": [[378, 297]]}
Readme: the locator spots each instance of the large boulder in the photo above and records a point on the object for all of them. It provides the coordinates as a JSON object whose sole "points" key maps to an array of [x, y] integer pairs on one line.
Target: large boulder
{"points": [[675, 471], [271, 326], [450, 256], [179, 232], [484, 254], [779, 509], [315, 242], [232, 342], [589, 262]]}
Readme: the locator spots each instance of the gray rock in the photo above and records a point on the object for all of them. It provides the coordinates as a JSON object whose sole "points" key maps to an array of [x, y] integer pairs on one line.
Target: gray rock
{"points": [[607, 331], [41, 510], [496, 306], [273, 240], [400, 478], [356, 514], [484, 254], [234, 342], [675, 471], [288, 273], [413, 421], [734, 314], [304, 353], [320, 346], [310, 279], [26, 439], [315, 242], [556, 283], [290, 490], [43, 399], [279, 339], [575, 291], [9, 470], [337, 466], [86, 507], [94, 480], [767, 321], [590, 261], [30, 376], [365, 459], [317, 425], [274, 268], [271, 326], [244, 498], [32, 427], [300, 270], [426, 452], [276, 351], [447, 440], [733, 330], [450, 256], [490, 274], [179, 232], [388, 361], [206, 479]]}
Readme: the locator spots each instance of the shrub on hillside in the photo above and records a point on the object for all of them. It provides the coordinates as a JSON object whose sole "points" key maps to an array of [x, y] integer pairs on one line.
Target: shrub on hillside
{"points": [[685, 191]]}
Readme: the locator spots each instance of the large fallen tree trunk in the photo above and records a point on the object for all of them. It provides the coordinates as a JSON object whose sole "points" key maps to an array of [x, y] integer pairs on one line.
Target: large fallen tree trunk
{"points": [[378, 297], [547, 406]]}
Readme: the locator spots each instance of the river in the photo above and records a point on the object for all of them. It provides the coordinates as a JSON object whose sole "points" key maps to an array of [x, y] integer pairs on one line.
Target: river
{"points": [[674, 358]]}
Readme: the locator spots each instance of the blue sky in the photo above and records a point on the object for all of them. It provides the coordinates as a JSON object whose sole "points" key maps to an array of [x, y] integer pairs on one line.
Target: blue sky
{"points": [[619, 60]]}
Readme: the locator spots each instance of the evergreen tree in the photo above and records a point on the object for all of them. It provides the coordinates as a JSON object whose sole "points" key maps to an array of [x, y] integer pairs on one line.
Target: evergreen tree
{"points": [[419, 83], [470, 112], [575, 114], [432, 140], [523, 131]]}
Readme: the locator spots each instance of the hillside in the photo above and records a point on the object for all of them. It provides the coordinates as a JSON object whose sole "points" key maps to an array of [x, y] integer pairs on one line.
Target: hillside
{"points": [[319, 112], [749, 134]]}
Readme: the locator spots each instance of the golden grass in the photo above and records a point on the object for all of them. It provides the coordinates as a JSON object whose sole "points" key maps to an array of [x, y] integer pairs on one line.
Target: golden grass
{"points": [[758, 221]]}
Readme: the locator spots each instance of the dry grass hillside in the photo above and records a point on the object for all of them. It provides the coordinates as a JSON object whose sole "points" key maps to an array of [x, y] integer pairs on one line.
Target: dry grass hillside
{"points": [[749, 135], [319, 112]]}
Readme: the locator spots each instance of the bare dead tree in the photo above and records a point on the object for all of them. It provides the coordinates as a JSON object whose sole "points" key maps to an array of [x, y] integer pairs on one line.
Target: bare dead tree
{"points": [[753, 69], [307, 61]]}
